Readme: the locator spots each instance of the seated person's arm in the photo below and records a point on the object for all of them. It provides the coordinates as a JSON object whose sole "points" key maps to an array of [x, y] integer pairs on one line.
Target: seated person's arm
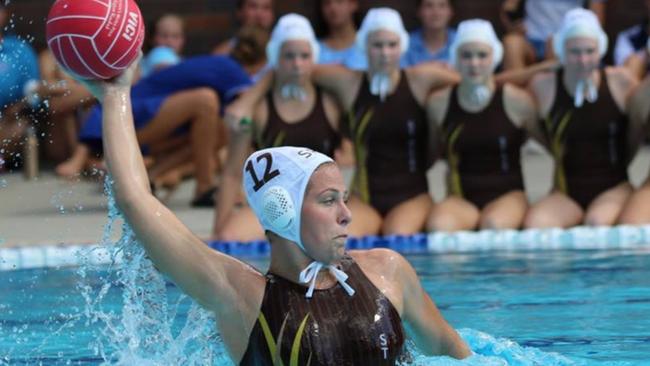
{"points": [[242, 107], [522, 77], [639, 114], [429, 76], [339, 81], [239, 145]]}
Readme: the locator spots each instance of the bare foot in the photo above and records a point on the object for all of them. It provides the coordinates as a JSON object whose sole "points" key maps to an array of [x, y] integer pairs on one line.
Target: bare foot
{"points": [[75, 164]]}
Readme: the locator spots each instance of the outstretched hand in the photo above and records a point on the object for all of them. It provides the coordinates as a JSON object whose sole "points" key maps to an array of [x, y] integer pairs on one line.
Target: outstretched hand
{"points": [[98, 88]]}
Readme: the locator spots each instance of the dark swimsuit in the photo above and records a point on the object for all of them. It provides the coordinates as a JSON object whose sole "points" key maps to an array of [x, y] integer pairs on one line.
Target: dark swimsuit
{"points": [[314, 131], [483, 151], [589, 143], [332, 328], [390, 143]]}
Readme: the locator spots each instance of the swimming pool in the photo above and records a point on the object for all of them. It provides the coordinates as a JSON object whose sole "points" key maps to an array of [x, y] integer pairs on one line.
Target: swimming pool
{"points": [[589, 306]]}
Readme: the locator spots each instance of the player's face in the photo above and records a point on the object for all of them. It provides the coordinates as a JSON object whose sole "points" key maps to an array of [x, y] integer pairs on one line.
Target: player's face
{"points": [[384, 50], [581, 56], [474, 61], [295, 61], [325, 215]]}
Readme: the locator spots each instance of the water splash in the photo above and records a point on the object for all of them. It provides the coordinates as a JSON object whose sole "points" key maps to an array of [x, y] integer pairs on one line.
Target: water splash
{"points": [[143, 331], [491, 351]]}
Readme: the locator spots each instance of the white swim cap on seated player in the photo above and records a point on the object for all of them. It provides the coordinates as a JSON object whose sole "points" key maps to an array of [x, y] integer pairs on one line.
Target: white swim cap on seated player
{"points": [[290, 27], [476, 30], [275, 181], [579, 22], [382, 19]]}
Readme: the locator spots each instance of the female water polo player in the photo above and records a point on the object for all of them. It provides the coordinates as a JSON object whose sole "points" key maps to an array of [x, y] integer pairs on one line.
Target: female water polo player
{"points": [[585, 112], [294, 113], [336, 307], [482, 127]]}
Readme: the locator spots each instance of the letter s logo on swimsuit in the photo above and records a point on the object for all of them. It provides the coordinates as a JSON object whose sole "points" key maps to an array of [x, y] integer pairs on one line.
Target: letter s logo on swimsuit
{"points": [[383, 341]]}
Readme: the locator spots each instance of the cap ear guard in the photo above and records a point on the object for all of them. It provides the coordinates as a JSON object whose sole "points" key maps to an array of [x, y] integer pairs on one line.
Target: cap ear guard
{"points": [[278, 208]]}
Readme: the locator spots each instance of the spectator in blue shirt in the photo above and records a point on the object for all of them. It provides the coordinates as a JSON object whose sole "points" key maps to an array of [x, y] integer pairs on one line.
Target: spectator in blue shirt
{"points": [[19, 77], [431, 41], [336, 28]]}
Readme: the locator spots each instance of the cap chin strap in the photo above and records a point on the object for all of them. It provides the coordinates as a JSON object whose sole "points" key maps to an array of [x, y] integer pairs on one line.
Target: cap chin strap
{"points": [[310, 273], [292, 91], [591, 93], [380, 85]]}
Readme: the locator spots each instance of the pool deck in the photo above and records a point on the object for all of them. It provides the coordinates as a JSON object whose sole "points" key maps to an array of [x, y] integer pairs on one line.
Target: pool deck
{"points": [[52, 211]]}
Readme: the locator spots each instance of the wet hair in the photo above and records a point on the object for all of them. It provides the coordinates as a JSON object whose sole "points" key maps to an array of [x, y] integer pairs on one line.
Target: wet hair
{"points": [[320, 24], [250, 45]]}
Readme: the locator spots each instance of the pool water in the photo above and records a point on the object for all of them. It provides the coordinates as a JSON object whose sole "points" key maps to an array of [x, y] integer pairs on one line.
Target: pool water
{"points": [[590, 307]]}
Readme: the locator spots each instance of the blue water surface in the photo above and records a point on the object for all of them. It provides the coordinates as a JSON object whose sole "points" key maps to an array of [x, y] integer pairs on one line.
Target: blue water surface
{"points": [[515, 308]]}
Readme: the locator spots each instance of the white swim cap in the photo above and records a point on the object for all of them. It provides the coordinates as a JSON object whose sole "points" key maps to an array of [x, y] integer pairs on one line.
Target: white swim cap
{"points": [[382, 19], [579, 22], [290, 27], [275, 181], [476, 30]]}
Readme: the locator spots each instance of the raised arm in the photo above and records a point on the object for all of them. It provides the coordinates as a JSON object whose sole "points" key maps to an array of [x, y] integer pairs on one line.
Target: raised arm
{"points": [[204, 274], [430, 331]]}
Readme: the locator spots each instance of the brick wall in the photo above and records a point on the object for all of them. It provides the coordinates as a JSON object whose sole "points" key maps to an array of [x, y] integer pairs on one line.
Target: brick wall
{"points": [[210, 21]]}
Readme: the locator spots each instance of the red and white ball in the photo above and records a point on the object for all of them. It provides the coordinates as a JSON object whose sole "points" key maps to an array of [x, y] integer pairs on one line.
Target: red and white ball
{"points": [[95, 39]]}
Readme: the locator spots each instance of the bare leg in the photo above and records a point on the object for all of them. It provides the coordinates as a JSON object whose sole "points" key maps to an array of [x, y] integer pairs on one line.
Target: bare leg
{"points": [[408, 217], [637, 208], [517, 52], [554, 210], [505, 212], [453, 214], [606, 208], [365, 219], [242, 225], [200, 107]]}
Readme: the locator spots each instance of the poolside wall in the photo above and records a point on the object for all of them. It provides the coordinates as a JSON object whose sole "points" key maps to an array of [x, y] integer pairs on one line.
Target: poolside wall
{"points": [[210, 21]]}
